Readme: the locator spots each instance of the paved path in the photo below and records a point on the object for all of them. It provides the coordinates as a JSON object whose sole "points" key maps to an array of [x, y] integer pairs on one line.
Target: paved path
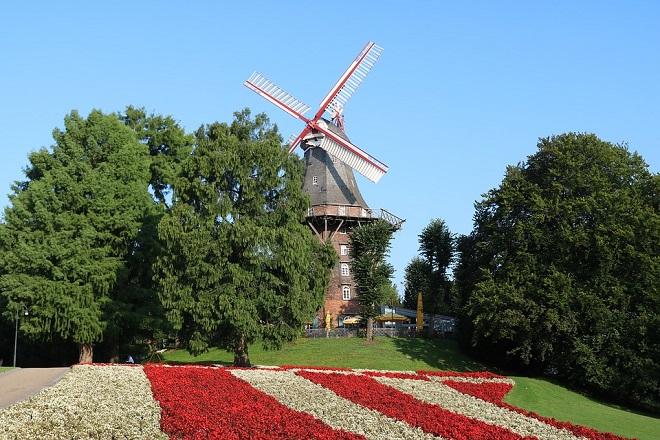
{"points": [[20, 383]]}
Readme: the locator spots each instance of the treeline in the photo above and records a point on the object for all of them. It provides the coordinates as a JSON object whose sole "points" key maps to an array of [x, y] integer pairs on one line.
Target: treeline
{"points": [[130, 230], [560, 274]]}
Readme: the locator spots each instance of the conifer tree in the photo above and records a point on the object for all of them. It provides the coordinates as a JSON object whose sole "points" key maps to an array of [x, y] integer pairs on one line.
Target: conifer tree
{"points": [[239, 263], [135, 314], [70, 226], [370, 247]]}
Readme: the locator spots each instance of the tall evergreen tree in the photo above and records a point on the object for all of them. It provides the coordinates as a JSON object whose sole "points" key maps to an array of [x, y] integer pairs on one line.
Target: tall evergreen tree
{"points": [[239, 264], [70, 227], [169, 145], [417, 278], [135, 314], [428, 273], [436, 245], [370, 247], [562, 269], [391, 295]]}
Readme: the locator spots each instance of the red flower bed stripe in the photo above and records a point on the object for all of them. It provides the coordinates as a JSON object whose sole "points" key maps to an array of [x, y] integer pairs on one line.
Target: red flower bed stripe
{"points": [[492, 392], [369, 393], [206, 403], [495, 392], [306, 367]]}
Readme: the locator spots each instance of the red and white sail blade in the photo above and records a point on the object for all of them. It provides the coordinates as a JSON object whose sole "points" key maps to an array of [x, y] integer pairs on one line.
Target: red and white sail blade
{"points": [[351, 155], [273, 93], [293, 142], [342, 91]]}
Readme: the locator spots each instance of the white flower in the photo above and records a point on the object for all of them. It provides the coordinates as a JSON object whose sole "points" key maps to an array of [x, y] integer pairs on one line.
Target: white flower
{"points": [[303, 395], [446, 397], [101, 402]]}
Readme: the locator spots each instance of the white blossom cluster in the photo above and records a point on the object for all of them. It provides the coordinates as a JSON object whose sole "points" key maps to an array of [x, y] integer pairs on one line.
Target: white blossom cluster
{"points": [[437, 393], [90, 402], [303, 395]]}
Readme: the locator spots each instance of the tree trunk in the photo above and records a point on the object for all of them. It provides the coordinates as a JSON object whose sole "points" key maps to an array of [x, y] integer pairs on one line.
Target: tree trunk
{"points": [[370, 329], [86, 354], [241, 357]]}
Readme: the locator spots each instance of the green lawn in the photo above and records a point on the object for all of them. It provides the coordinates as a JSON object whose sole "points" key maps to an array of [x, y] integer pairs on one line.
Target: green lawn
{"points": [[384, 354], [552, 400], [538, 395], [3, 369]]}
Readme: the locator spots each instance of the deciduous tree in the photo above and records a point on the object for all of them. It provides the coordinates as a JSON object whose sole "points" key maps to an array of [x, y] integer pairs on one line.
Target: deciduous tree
{"points": [[562, 269]]}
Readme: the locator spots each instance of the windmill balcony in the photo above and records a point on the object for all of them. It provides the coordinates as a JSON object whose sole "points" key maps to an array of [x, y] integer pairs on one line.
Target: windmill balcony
{"points": [[355, 213]]}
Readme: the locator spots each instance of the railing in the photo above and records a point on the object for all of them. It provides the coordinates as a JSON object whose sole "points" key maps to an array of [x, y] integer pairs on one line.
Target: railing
{"points": [[400, 332], [349, 211]]}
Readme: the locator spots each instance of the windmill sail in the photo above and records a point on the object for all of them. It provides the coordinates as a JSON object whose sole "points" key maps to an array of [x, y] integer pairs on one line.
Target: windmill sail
{"points": [[273, 93], [351, 155], [333, 142], [348, 83]]}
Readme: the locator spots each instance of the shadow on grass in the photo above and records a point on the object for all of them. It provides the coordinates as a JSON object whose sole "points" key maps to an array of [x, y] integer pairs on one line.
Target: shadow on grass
{"points": [[443, 354]]}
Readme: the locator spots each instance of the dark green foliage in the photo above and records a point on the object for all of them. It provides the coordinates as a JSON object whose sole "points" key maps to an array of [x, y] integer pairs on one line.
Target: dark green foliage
{"points": [[239, 264], [436, 244], [135, 315], [71, 225], [168, 146], [417, 278], [391, 295], [370, 246], [562, 269], [428, 274]]}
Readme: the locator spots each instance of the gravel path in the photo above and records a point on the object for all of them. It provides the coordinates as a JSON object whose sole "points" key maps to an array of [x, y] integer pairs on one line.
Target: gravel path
{"points": [[20, 383]]}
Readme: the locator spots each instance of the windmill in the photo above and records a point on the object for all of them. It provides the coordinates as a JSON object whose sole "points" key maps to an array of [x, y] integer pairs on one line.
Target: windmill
{"points": [[330, 158]]}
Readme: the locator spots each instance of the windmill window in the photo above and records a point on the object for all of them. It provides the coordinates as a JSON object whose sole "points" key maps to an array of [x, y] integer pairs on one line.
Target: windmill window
{"points": [[345, 271], [342, 210], [315, 180], [343, 249], [346, 293]]}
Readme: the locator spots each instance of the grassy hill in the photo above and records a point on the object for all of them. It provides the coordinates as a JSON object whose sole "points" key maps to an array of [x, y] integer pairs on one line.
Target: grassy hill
{"points": [[538, 395]]}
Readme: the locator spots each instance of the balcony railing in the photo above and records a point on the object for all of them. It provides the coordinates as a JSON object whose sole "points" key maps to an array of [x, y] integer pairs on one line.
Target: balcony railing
{"points": [[354, 212]]}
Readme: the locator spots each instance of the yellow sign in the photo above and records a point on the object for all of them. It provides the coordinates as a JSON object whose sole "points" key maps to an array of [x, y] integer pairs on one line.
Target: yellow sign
{"points": [[420, 313]]}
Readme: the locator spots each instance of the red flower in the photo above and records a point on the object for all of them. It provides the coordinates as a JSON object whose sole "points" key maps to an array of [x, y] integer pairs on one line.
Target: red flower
{"points": [[368, 392], [210, 403], [494, 392]]}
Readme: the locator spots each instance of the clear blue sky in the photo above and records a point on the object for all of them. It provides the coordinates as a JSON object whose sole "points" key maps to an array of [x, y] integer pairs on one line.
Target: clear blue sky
{"points": [[459, 92]]}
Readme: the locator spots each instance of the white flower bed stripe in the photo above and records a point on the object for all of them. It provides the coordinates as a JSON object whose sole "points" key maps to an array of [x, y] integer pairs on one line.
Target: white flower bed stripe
{"points": [[370, 370], [472, 379], [314, 370], [303, 395], [100, 402], [448, 398]]}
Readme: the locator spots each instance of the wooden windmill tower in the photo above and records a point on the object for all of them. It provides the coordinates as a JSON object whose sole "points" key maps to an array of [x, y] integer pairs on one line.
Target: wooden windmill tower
{"points": [[330, 158]]}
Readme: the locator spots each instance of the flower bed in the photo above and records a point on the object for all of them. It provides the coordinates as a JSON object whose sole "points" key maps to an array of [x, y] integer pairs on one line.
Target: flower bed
{"points": [[99, 402], [213, 403], [367, 403], [210, 402]]}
